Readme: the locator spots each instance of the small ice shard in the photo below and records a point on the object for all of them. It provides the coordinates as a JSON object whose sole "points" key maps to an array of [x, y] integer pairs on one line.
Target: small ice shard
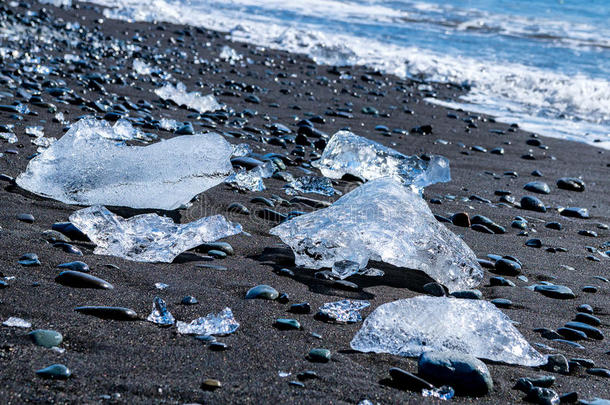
{"points": [[180, 96], [284, 374], [148, 237], [384, 221], [15, 322], [348, 153], [160, 315], [86, 167], [243, 149], [230, 55], [169, 124], [310, 184], [35, 132], [61, 118], [412, 326], [222, 323], [345, 268], [344, 311], [252, 180], [142, 68], [9, 137], [161, 286], [444, 393], [43, 142]]}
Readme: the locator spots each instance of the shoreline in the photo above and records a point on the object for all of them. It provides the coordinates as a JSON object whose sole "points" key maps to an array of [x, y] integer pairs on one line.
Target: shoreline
{"points": [[144, 363]]}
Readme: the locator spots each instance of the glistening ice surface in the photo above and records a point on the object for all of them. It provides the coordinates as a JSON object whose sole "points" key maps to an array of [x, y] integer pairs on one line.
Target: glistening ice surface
{"points": [[85, 167], [347, 152], [222, 323], [416, 325], [179, 95], [381, 220], [148, 237]]}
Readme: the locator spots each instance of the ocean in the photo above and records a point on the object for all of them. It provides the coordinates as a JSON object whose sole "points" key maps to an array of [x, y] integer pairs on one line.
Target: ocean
{"points": [[544, 64]]}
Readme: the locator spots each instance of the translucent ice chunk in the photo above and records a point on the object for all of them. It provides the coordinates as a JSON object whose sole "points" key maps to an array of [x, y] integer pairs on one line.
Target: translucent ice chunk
{"points": [[243, 149], [160, 315], [180, 96], [384, 221], [412, 326], [347, 152], [36, 132], [444, 393], [148, 237], [230, 55], [169, 124], [345, 268], [86, 168], [10, 138], [15, 322], [222, 323], [310, 184], [345, 311], [142, 68], [252, 180]]}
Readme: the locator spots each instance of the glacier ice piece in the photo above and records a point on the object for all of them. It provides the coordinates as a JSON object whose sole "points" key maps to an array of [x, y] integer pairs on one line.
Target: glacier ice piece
{"points": [[230, 55], [86, 167], [34, 131], [9, 137], [384, 221], [310, 184], [223, 323], [143, 68], [443, 393], [243, 149], [252, 180], [344, 311], [345, 268], [412, 326], [347, 152], [160, 315], [148, 237], [180, 96], [169, 124], [15, 322]]}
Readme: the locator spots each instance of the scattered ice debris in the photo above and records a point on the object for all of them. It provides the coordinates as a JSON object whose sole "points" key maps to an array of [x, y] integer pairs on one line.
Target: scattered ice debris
{"points": [[383, 221], [43, 142], [230, 55], [35, 132], [148, 237], [251, 180], [222, 323], [444, 393], [161, 286], [180, 96], [310, 184], [61, 118], [243, 149], [15, 322], [344, 311], [169, 124], [57, 3], [85, 167], [143, 68], [160, 315], [348, 153], [9, 137], [284, 374], [412, 326]]}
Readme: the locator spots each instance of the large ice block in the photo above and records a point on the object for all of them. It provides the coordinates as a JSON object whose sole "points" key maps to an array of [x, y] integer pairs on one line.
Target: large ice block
{"points": [[348, 153], [193, 99], [384, 221], [148, 237], [86, 167], [412, 326]]}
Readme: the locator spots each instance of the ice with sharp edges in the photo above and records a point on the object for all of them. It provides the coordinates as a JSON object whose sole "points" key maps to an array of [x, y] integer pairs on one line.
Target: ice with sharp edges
{"points": [[412, 326], [223, 323], [193, 99], [344, 311], [86, 167], [230, 55], [252, 180], [384, 221], [148, 237], [347, 152], [143, 68], [310, 184], [17, 322], [160, 315], [9, 137]]}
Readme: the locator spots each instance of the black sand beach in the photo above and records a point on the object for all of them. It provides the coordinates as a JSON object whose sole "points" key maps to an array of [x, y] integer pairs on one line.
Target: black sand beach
{"points": [[138, 362]]}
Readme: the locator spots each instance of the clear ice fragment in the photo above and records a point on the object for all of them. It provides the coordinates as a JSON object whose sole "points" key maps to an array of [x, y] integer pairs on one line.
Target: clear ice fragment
{"points": [[36, 132], [345, 268], [15, 322], [180, 96], [347, 152], [251, 180], [344, 311], [169, 124], [86, 167], [444, 393], [7, 136], [243, 149], [230, 55], [160, 315], [148, 237], [222, 323], [142, 68], [384, 221], [412, 326], [310, 184], [161, 286]]}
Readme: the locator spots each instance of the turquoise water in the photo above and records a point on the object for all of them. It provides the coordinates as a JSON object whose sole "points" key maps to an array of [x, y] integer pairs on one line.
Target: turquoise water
{"points": [[542, 63]]}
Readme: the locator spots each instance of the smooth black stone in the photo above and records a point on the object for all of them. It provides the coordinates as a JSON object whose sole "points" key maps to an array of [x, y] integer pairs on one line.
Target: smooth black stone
{"points": [[79, 279], [553, 225], [588, 319], [535, 243], [519, 224], [435, 289], [468, 294], [405, 380], [500, 282], [218, 346], [114, 313], [28, 218], [591, 234], [307, 375], [466, 374], [287, 324], [310, 202], [319, 355], [205, 339], [589, 330], [557, 363], [502, 303], [571, 184], [262, 291], [68, 229], [189, 300], [532, 204], [186, 129], [68, 248], [302, 308], [586, 308], [55, 371], [461, 219], [263, 200], [545, 381], [29, 259], [507, 267], [569, 398], [571, 334], [538, 187], [555, 291], [488, 223], [588, 363], [599, 372], [238, 208], [441, 218], [211, 266], [590, 289], [551, 334], [482, 229], [286, 272], [575, 212], [488, 264], [76, 266], [345, 285], [542, 396]]}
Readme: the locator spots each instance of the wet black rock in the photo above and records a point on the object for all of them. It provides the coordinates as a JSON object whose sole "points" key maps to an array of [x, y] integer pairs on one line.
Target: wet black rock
{"points": [[591, 331], [466, 374], [189, 300], [76, 266], [535, 243], [532, 204], [599, 372], [79, 279], [461, 219], [500, 282], [302, 308], [588, 319], [555, 291], [28, 218], [571, 334], [55, 372], [542, 396], [507, 267], [575, 212], [238, 208], [435, 289], [553, 225], [68, 229], [538, 187], [571, 184], [502, 302]]}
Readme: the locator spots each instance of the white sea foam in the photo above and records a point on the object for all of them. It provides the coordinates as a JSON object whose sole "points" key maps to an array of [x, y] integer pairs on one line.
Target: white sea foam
{"points": [[573, 105]]}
